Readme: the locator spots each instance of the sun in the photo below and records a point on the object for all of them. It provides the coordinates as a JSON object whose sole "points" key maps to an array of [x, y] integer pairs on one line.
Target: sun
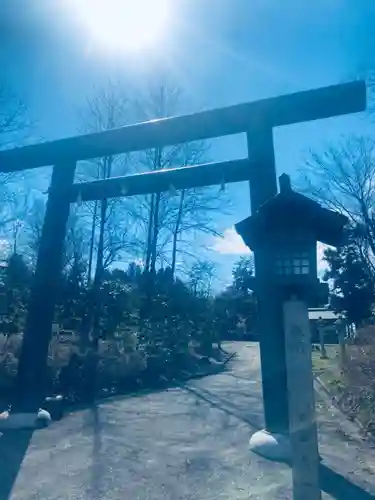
{"points": [[124, 24]]}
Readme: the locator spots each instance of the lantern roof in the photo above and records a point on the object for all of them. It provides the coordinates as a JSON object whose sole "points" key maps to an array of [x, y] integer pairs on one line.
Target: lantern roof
{"points": [[292, 212]]}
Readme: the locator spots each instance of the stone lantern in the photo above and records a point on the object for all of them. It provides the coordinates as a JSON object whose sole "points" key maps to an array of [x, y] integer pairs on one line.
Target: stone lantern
{"points": [[286, 229], [283, 233]]}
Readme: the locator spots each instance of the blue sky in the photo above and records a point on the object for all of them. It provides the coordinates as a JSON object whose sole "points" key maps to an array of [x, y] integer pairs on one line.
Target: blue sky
{"points": [[222, 52]]}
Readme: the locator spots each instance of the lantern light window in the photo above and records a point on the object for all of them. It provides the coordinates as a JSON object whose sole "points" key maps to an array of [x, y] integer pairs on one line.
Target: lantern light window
{"points": [[295, 264]]}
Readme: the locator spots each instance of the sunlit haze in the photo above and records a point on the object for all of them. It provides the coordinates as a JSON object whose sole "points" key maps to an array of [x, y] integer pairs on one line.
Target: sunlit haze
{"points": [[129, 25], [60, 56]]}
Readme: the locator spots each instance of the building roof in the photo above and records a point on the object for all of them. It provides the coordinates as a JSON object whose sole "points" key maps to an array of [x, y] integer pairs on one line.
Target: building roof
{"points": [[322, 313]]}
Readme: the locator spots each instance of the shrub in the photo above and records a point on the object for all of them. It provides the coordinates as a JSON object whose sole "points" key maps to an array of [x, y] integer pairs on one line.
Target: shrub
{"points": [[8, 371], [146, 328], [358, 393]]}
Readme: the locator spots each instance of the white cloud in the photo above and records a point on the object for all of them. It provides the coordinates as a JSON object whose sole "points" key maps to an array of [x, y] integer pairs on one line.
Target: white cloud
{"points": [[230, 244]]}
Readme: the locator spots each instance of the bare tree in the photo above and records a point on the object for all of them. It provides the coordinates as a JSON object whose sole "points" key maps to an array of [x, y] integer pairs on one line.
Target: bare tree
{"points": [[76, 234], [170, 219], [75, 241], [13, 126], [107, 108], [33, 228], [13, 111], [201, 277], [195, 216], [342, 178], [159, 103]]}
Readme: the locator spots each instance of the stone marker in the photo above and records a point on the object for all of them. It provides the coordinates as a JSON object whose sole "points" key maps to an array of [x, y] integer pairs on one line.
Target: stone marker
{"points": [[302, 423]]}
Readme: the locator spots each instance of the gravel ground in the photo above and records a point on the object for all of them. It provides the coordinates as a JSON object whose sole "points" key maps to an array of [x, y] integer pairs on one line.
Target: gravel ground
{"points": [[180, 444]]}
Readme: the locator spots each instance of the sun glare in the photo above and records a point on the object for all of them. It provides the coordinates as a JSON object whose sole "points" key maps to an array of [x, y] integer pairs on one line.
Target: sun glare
{"points": [[124, 24]]}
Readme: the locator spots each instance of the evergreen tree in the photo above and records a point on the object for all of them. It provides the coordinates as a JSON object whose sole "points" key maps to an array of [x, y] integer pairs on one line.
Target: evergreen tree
{"points": [[352, 283], [243, 275]]}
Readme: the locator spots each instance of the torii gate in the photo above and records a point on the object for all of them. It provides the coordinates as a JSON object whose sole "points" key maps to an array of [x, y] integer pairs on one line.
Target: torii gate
{"points": [[257, 120]]}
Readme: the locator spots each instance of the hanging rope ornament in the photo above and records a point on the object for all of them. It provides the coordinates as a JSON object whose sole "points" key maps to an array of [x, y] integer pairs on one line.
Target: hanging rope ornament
{"points": [[124, 190], [79, 198], [172, 190], [222, 185]]}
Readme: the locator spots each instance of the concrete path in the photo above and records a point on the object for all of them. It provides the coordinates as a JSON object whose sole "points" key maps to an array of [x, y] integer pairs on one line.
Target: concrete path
{"points": [[183, 443]]}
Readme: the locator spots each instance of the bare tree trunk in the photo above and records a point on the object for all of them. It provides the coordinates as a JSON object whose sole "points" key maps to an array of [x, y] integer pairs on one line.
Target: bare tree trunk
{"points": [[107, 169], [92, 243], [106, 109], [155, 234], [150, 232], [100, 255], [94, 312], [155, 215], [99, 273], [94, 308], [152, 237], [176, 232]]}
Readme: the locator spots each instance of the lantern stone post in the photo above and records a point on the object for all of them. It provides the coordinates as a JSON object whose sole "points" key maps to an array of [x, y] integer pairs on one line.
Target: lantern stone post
{"points": [[285, 231]]}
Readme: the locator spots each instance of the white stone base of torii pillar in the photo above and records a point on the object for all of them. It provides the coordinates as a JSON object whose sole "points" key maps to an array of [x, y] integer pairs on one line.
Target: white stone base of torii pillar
{"points": [[271, 446], [13, 421]]}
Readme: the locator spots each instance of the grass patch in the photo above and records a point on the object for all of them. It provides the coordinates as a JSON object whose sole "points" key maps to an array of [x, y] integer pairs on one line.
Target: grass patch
{"points": [[329, 365], [329, 371], [352, 388]]}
